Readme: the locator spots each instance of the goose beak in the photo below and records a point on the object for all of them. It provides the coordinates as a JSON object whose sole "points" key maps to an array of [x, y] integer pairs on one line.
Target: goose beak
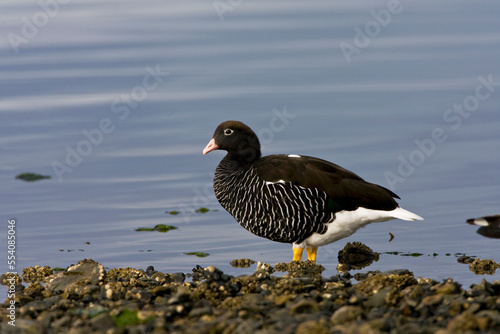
{"points": [[210, 146]]}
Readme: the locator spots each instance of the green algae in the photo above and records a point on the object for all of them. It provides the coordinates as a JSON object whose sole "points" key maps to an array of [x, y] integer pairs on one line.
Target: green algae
{"points": [[160, 228], [198, 254], [201, 210], [129, 318]]}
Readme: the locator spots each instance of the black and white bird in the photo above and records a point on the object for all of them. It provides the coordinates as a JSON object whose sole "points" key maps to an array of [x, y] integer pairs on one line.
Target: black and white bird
{"points": [[305, 201]]}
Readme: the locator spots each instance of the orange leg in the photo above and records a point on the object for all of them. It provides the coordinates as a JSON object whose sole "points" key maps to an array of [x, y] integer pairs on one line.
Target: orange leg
{"points": [[311, 253], [297, 253]]}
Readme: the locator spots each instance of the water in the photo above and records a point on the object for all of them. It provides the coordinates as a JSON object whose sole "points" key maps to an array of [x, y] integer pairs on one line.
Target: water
{"points": [[122, 96]]}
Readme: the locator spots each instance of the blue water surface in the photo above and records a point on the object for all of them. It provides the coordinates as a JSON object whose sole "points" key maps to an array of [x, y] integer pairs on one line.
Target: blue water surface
{"points": [[115, 100]]}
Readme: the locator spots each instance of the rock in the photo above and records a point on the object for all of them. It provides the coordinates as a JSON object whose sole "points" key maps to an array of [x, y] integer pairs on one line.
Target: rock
{"points": [[242, 263], [63, 322], [301, 269], [447, 288], [84, 272], [126, 300], [379, 298], [178, 277], [493, 317], [102, 322], [356, 255], [125, 274], [312, 327], [263, 270], [432, 300], [346, 314], [483, 267], [483, 288], [150, 271], [5, 279], [304, 306], [374, 283], [34, 289], [400, 272], [36, 274], [462, 323], [465, 259]]}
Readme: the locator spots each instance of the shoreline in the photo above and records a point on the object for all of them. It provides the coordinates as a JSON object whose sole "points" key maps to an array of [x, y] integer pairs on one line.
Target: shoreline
{"points": [[86, 298]]}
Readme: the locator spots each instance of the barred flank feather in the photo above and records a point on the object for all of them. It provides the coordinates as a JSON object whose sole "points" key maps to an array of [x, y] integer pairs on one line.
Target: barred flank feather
{"points": [[280, 211]]}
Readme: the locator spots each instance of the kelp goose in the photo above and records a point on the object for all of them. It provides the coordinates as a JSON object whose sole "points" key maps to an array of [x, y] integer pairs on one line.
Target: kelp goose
{"points": [[305, 201]]}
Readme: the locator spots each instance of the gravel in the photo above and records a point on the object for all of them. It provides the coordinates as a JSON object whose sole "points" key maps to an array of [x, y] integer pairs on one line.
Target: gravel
{"points": [[86, 298]]}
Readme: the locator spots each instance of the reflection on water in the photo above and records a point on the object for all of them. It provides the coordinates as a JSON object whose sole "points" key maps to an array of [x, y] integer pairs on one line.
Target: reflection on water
{"points": [[490, 226], [85, 73], [356, 256]]}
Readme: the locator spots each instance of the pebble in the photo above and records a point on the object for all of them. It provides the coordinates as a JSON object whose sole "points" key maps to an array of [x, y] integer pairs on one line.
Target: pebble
{"points": [[88, 299]]}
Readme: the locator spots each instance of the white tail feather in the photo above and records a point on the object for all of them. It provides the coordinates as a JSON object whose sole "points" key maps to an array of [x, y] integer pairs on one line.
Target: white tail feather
{"points": [[346, 223], [403, 214]]}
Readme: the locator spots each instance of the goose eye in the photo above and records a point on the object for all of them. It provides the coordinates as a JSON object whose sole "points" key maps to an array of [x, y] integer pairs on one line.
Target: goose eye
{"points": [[228, 132]]}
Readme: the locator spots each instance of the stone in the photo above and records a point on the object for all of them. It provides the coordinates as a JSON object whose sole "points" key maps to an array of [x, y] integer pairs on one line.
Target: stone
{"points": [[83, 273], [311, 327], [346, 314], [102, 322]]}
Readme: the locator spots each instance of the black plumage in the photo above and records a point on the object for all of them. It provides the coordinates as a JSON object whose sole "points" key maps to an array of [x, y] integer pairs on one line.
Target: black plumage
{"points": [[290, 198]]}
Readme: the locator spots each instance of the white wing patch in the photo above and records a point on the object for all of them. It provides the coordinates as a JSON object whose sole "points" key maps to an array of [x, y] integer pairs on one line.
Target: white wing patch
{"points": [[294, 156], [270, 182]]}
